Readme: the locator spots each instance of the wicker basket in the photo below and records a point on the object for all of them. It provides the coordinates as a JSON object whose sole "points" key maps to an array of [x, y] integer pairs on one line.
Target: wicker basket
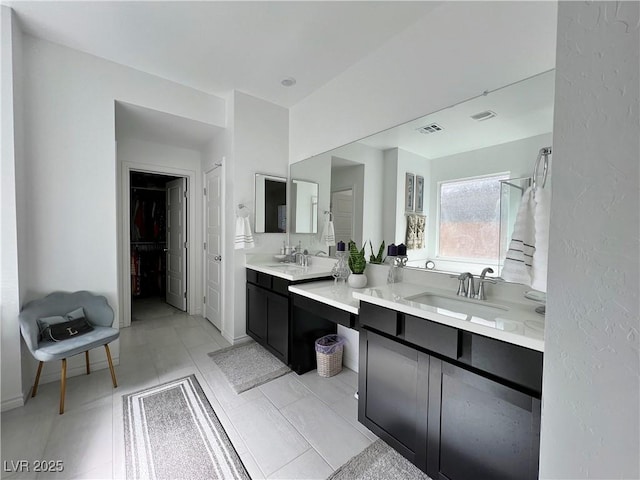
{"points": [[330, 364]]}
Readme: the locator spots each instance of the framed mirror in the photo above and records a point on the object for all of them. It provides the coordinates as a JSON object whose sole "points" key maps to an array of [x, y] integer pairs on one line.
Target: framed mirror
{"points": [[271, 204], [304, 206], [456, 174]]}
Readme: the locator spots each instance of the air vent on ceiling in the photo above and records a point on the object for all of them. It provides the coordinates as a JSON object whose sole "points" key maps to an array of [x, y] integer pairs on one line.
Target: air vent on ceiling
{"points": [[433, 128], [486, 115]]}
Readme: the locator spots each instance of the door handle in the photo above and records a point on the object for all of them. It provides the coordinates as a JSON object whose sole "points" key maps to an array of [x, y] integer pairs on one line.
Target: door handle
{"points": [[165, 249], [218, 258]]}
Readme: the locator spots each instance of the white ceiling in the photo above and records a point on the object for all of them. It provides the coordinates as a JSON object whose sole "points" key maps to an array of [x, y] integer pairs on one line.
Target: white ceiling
{"points": [[524, 109], [220, 46]]}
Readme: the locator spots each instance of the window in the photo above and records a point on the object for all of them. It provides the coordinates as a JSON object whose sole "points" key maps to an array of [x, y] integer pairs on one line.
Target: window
{"points": [[469, 218]]}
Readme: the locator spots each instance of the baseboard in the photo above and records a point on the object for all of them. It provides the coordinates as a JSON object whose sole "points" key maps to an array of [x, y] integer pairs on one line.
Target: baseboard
{"points": [[12, 403], [76, 371], [240, 340]]}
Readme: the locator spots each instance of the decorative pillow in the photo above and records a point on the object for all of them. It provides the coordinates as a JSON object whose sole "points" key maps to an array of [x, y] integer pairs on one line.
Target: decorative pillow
{"points": [[45, 322], [76, 314], [66, 330]]}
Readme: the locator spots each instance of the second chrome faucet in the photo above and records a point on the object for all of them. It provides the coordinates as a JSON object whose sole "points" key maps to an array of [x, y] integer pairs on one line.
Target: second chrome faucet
{"points": [[466, 287]]}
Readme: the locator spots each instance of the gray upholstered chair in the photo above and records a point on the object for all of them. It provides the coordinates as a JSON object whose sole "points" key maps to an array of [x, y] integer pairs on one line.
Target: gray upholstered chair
{"points": [[98, 314]]}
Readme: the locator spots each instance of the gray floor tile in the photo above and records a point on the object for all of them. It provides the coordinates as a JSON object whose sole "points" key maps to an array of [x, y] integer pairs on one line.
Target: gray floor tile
{"points": [[285, 390], [309, 466], [271, 439], [335, 439]]}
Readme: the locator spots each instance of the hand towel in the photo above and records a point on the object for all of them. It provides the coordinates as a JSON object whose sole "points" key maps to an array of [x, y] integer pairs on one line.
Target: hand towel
{"points": [[244, 237], [517, 264], [541, 254], [328, 233], [412, 231]]}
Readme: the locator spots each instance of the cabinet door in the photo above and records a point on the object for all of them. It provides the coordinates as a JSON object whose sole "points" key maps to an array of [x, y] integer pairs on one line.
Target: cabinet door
{"points": [[256, 313], [278, 325], [479, 428], [393, 394]]}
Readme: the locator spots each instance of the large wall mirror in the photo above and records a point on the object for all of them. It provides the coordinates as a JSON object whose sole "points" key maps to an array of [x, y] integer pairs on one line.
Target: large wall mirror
{"points": [[304, 206], [455, 176], [271, 204]]}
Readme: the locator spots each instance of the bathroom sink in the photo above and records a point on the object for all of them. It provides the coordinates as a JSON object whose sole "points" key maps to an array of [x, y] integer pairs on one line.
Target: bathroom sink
{"points": [[459, 307]]}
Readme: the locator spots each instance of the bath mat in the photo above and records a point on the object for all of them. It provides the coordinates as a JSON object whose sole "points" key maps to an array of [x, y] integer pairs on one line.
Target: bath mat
{"points": [[171, 431], [248, 365], [377, 462]]}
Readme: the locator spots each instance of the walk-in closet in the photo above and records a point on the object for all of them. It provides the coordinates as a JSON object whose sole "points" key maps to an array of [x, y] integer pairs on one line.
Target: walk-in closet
{"points": [[148, 233]]}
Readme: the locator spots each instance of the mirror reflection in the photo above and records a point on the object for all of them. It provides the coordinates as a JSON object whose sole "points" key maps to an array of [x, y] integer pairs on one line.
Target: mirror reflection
{"points": [[304, 206], [447, 185], [271, 204]]}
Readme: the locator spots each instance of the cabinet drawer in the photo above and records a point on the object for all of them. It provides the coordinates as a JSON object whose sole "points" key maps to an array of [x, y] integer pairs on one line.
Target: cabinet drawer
{"points": [[259, 278], [520, 365], [280, 285], [432, 336], [323, 310], [379, 318]]}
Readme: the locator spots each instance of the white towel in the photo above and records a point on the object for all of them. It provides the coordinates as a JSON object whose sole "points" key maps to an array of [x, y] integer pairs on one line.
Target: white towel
{"points": [[244, 238], [541, 255], [328, 233], [519, 259]]}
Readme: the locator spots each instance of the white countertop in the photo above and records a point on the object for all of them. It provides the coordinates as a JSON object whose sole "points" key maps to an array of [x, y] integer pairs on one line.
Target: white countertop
{"points": [[510, 322], [329, 293], [319, 268]]}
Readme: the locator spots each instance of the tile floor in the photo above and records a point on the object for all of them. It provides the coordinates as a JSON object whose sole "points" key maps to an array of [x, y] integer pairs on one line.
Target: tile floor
{"points": [[294, 427]]}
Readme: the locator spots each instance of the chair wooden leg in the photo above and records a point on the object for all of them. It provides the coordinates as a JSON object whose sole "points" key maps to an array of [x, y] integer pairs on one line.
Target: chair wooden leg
{"points": [[113, 372], [35, 385], [63, 384], [86, 359]]}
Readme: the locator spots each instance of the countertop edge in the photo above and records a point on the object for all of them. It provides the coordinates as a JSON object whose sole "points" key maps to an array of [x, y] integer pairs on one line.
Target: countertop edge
{"points": [[307, 275], [508, 337], [323, 299]]}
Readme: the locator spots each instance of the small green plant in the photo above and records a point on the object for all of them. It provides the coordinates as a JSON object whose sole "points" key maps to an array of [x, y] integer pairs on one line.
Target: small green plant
{"points": [[357, 260], [376, 258]]}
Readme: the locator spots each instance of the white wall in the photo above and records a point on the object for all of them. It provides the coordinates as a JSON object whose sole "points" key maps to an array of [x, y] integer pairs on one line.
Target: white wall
{"points": [[11, 155], [70, 166], [590, 415], [260, 145], [457, 51]]}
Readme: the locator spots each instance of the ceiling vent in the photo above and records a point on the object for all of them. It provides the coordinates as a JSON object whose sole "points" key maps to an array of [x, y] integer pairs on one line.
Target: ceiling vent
{"points": [[433, 128], [486, 115]]}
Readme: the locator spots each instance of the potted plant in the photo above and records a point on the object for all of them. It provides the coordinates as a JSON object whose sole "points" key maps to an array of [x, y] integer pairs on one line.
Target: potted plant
{"points": [[377, 258], [357, 264]]}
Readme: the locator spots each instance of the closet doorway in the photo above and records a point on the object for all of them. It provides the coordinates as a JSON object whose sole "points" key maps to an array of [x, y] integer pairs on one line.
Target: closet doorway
{"points": [[158, 241]]}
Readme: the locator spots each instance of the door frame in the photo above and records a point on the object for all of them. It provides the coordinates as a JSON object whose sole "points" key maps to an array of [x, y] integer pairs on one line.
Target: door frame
{"points": [[193, 241], [223, 252]]}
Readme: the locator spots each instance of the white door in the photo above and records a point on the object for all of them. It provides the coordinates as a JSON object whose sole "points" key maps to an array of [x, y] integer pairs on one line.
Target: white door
{"points": [[342, 209], [176, 244], [213, 247]]}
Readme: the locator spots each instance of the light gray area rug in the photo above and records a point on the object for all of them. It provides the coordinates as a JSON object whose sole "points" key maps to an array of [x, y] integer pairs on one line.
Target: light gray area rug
{"points": [[378, 462], [171, 431], [248, 365]]}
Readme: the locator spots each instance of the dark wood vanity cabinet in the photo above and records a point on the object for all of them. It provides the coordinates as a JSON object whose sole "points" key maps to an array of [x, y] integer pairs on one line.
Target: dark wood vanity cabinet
{"points": [[270, 312], [423, 391]]}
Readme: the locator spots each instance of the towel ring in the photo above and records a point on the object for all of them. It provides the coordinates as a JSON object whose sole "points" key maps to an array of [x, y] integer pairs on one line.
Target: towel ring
{"points": [[544, 152], [242, 211]]}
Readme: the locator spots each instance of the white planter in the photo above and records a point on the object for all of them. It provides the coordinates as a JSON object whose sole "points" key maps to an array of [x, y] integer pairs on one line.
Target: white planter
{"points": [[357, 280]]}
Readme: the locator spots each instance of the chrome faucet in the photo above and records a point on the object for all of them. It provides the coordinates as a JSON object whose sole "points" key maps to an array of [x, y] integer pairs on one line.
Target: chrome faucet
{"points": [[466, 287], [302, 258], [482, 280]]}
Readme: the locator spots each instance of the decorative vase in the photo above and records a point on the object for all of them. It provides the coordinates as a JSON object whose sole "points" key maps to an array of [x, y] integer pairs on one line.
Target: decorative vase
{"points": [[357, 280]]}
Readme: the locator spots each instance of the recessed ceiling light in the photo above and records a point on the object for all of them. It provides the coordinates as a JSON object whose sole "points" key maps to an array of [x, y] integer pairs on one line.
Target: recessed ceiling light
{"points": [[288, 82]]}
